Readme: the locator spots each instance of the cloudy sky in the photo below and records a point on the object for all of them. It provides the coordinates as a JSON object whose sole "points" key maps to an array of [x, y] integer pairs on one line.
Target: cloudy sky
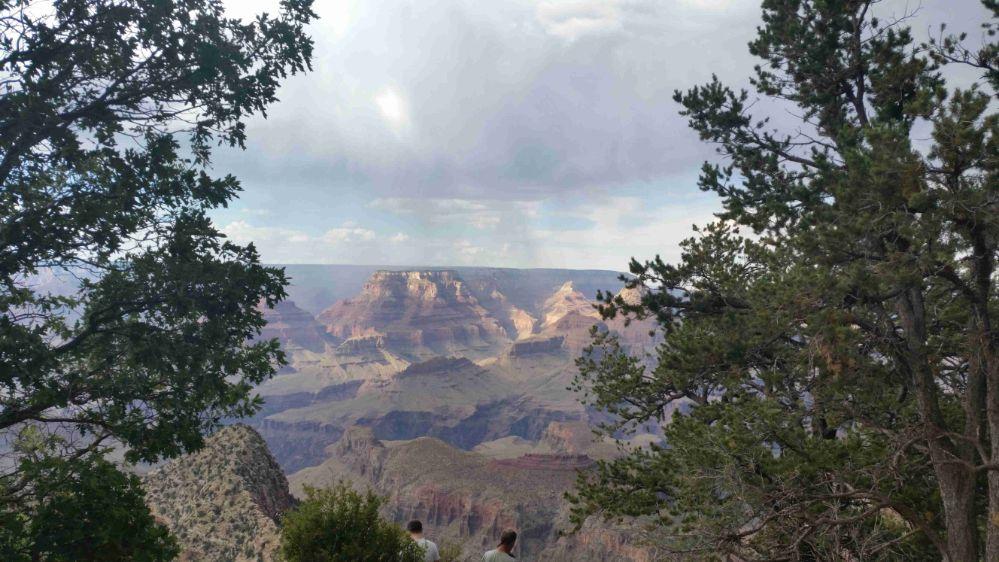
{"points": [[517, 133]]}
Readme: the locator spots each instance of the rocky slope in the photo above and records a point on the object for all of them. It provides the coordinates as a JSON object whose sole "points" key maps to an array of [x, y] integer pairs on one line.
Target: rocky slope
{"points": [[470, 499], [570, 314], [223, 502]]}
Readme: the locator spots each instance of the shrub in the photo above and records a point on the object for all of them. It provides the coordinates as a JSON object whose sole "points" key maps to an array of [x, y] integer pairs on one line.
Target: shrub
{"points": [[340, 525]]}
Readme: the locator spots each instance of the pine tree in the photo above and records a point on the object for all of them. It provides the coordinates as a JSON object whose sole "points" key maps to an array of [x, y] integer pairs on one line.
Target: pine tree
{"points": [[841, 363]]}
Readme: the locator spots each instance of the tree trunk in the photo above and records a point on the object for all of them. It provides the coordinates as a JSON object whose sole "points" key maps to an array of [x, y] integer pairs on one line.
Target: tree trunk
{"points": [[957, 488], [955, 479], [992, 412]]}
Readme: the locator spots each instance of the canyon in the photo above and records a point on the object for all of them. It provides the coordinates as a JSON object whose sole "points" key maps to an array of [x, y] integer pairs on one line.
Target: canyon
{"points": [[444, 390]]}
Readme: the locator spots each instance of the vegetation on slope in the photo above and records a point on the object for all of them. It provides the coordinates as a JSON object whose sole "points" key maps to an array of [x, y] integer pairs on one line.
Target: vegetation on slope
{"points": [[225, 501]]}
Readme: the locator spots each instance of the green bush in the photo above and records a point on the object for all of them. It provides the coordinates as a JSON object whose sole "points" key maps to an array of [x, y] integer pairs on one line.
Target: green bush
{"points": [[340, 525]]}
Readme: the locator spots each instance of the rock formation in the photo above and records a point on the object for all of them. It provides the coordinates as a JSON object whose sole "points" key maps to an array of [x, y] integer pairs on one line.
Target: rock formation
{"points": [[444, 390], [570, 314], [548, 462], [317, 287], [507, 375], [223, 502], [568, 437], [419, 314], [447, 391], [566, 301]]}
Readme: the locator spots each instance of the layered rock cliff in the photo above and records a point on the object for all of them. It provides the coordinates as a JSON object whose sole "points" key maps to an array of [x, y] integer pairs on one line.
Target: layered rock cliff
{"points": [[223, 502], [419, 314], [535, 345]]}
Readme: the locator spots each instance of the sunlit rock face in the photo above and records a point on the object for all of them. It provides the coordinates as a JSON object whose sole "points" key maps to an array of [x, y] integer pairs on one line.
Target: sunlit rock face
{"points": [[569, 314], [419, 314]]}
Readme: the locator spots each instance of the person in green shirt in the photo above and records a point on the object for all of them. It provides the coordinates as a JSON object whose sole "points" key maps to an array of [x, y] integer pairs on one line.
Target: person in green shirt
{"points": [[503, 552]]}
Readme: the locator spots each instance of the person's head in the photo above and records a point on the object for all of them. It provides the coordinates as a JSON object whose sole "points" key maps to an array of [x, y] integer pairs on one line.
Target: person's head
{"points": [[415, 527], [507, 540]]}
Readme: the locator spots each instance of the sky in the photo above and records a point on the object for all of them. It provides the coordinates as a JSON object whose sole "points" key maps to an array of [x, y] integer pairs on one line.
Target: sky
{"points": [[513, 133]]}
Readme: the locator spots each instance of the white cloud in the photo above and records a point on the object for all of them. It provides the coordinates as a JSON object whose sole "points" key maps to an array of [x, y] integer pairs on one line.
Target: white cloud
{"points": [[243, 232], [348, 234], [602, 232], [344, 244], [494, 100], [571, 20], [466, 248], [479, 214], [709, 4]]}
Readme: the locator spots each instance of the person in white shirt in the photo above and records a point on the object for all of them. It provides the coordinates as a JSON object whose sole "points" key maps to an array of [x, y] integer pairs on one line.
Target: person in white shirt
{"points": [[430, 552], [503, 552]]}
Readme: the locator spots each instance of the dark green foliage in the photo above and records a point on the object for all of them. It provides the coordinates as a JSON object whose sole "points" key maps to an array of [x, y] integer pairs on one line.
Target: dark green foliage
{"points": [[108, 113], [79, 509], [342, 525], [841, 365]]}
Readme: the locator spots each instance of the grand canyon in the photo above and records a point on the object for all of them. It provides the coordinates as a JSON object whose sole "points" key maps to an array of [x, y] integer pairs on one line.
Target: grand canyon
{"points": [[444, 390]]}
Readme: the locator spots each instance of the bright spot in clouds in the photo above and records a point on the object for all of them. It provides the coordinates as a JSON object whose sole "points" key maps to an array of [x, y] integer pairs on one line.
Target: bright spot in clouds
{"points": [[392, 106]]}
